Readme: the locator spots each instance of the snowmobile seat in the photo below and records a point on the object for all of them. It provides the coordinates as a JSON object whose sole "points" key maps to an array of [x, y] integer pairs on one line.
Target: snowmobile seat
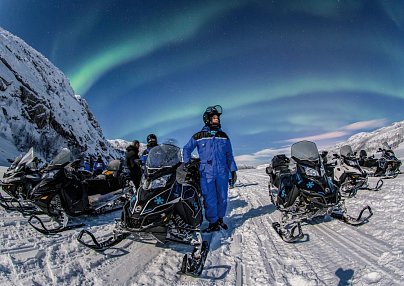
{"points": [[363, 154], [280, 162]]}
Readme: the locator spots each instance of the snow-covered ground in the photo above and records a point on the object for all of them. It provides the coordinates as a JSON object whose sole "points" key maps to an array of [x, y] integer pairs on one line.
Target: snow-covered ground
{"points": [[249, 253]]}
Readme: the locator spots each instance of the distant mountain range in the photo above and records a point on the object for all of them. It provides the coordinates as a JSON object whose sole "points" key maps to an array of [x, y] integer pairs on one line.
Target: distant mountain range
{"points": [[372, 141]]}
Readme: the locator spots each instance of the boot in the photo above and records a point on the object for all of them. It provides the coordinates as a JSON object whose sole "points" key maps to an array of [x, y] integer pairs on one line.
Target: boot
{"points": [[212, 227], [222, 224]]}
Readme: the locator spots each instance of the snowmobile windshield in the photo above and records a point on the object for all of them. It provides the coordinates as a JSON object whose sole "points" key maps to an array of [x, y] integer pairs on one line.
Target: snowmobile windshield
{"points": [[16, 161], [346, 151], [386, 146], [305, 151], [163, 156], [28, 157], [62, 157], [114, 165]]}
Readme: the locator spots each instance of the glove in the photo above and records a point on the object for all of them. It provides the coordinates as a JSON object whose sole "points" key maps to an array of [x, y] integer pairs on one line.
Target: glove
{"points": [[233, 177]]}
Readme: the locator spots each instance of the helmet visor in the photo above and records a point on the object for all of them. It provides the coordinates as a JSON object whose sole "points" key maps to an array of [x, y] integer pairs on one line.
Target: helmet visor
{"points": [[217, 109]]}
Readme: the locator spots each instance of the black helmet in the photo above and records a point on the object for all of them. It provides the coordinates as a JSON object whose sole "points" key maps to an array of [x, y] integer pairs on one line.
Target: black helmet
{"points": [[209, 112], [151, 140]]}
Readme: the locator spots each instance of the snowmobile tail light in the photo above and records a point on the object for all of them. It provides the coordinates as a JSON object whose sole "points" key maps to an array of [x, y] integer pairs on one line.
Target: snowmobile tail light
{"points": [[310, 171]]}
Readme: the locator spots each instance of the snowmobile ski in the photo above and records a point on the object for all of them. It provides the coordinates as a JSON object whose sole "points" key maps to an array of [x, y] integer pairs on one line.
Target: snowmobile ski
{"points": [[50, 231], [101, 246], [13, 204], [378, 186], [289, 235], [192, 265], [242, 185], [351, 220]]}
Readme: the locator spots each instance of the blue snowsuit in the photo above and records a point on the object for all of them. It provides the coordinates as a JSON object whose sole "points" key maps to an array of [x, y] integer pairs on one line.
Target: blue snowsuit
{"points": [[85, 165], [98, 167], [216, 155], [145, 154]]}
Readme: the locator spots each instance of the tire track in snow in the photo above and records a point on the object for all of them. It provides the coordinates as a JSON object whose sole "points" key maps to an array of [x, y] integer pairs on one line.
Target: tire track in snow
{"points": [[360, 253], [320, 258], [281, 267]]}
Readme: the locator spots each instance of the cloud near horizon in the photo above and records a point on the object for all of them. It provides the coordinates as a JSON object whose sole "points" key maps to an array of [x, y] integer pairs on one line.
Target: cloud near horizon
{"points": [[344, 131], [265, 155]]}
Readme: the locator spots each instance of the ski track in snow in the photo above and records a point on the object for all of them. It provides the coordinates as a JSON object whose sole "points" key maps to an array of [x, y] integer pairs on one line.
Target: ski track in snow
{"points": [[249, 253]]}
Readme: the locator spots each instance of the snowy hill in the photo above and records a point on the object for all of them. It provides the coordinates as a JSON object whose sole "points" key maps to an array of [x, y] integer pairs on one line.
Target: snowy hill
{"points": [[121, 145], [39, 107], [372, 141]]}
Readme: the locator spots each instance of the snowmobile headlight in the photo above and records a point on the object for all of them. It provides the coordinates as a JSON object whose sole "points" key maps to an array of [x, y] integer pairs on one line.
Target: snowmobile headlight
{"points": [[311, 172], [49, 175], [159, 182]]}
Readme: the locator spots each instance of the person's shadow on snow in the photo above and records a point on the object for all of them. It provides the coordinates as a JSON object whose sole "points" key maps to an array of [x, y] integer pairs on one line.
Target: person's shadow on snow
{"points": [[344, 276]]}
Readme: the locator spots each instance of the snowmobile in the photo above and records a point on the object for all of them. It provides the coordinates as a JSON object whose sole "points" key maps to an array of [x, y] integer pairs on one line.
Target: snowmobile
{"points": [[167, 206], [65, 192], [307, 193], [349, 176], [388, 165], [366, 161], [18, 180]]}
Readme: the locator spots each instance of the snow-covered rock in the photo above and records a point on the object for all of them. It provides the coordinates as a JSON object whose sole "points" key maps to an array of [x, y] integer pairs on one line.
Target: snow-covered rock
{"points": [[121, 145], [38, 107], [372, 141]]}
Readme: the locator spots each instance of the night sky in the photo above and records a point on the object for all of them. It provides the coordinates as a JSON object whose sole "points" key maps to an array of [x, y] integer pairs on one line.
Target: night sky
{"points": [[282, 70]]}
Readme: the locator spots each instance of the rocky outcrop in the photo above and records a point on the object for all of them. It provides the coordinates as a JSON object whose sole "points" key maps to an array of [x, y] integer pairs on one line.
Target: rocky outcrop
{"points": [[38, 106]]}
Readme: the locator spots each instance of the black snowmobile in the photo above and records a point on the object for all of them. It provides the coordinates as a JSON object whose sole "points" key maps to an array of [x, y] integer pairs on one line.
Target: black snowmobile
{"points": [[366, 161], [66, 192], [307, 193], [167, 206], [18, 180], [388, 166], [348, 174]]}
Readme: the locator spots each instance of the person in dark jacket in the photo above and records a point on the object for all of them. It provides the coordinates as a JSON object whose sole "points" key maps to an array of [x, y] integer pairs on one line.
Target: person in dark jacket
{"points": [[216, 161], [151, 142], [133, 163]]}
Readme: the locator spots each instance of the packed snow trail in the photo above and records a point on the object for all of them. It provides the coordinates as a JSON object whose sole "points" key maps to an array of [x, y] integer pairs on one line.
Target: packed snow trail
{"points": [[249, 253]]}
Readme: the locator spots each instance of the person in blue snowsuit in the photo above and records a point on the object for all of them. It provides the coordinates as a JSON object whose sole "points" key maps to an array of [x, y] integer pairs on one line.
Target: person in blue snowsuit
{"points": [[99, 166], [85, 164], [151, 143], [216, 161]]}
